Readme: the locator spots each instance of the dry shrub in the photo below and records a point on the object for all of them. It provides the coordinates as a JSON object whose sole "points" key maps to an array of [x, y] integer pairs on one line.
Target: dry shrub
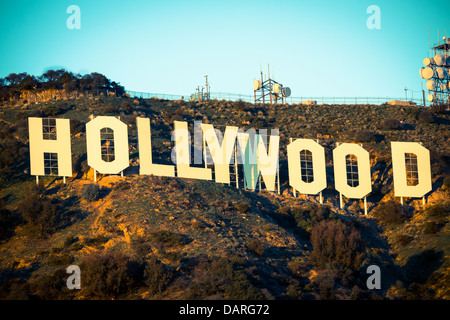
{"points": [[108, 275], [336, 245], [390, 213]]}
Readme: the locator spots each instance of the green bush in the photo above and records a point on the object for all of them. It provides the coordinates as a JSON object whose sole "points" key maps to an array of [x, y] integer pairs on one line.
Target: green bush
{"points": [[7, 222], [60, 260], [68, 241], [446, 182], [390, 213], [243, 207], [107, 275], [426, 117], [51, 286], [256, 246], [76, 126], [309, 215], [157, 276], [297, 266], [391, 124], [95, 241], [38, 210], [367, 136], [403, 239], [336, 245], [430, 227], [52, 110], [221, 277], [168, 237], [91, 192], [440, 210]]}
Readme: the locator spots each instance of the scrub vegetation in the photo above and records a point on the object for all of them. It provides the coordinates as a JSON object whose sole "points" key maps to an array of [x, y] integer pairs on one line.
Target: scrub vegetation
{"points": [[147, 237]]}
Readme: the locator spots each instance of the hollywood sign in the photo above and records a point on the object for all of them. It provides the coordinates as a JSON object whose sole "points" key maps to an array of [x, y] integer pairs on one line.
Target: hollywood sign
{"points": [[259, 157]]}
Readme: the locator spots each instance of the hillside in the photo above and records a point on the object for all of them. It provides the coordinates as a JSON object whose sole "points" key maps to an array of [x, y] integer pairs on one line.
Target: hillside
{"points": [[145, 237]]}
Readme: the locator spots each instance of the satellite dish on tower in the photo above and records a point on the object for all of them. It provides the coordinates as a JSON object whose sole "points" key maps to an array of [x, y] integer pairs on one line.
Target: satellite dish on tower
{"points": [[256, 85], [276, 88], [427, 73], [286, 92], [441, 72], [431, 85], [439, 59], [428, 62], [430, 97], [420, 71]]}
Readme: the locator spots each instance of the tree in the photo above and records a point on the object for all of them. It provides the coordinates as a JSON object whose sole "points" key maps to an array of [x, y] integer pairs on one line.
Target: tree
{"points": [[336, 245], [390, 213], [107, 275], [392, 124], [15, 79], [91, 192], [38, 210], [28, 83]]}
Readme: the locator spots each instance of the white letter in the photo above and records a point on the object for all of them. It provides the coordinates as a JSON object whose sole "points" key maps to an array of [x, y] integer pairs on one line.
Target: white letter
{"points": [[248, 145], [93, 145], [61, 146], [374, 281], [318, 165], [268, 161], [74, 281], [374, 21], [401, 188], [146, 165], [340, 171], [221, 154], [74, 21], [183, 154]]}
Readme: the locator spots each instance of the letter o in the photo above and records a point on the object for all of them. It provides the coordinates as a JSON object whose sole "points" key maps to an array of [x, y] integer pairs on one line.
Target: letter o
{"points": [[93, 145], [340, 171]]}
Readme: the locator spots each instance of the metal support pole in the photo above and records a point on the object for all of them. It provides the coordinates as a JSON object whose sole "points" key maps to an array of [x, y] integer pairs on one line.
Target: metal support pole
{"points": [[340, 200], [401, 200], [64, 180], [293, 189], [236, 166], [320, 197], [278, 173], [204, 152], [365, 206], [95, 175], [121, 173], [423, 200], [37, 180]]}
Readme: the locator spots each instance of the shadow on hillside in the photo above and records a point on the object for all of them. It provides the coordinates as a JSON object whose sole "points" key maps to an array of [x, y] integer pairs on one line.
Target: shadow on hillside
{"points": [[104, 192], [421, 266], [70, 213], [19, 273], [282, 252]]}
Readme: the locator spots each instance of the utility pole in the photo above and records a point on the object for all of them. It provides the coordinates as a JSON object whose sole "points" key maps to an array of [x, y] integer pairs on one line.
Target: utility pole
{"points": [[207, 88], [423, 96]]}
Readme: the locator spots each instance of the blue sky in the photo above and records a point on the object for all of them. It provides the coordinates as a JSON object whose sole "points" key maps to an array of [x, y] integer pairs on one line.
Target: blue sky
{"points": [[317, 48]]}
